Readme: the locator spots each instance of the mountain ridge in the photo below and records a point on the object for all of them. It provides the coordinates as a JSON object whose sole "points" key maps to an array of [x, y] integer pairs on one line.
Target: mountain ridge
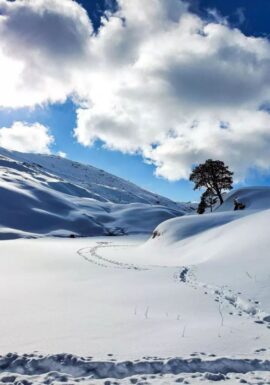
{"points": [[49, 195]]}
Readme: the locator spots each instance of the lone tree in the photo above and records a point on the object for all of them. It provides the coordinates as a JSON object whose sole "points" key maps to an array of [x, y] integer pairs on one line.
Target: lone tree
{"points": [[202, 206], [214, 176], [208, 200]]}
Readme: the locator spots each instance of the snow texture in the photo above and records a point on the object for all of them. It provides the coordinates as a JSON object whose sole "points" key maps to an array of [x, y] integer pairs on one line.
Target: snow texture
{"points": [[49, 195], [190, 305]]}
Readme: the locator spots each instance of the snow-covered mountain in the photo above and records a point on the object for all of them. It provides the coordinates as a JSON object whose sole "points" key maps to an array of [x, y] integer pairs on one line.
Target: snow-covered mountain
{"points": [[50, 195]]}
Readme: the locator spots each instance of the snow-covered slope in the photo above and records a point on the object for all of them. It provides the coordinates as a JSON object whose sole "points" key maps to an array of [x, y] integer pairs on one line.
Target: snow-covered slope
{"points": [[190, 306], [175, 230], [41, 195], [158, 316], [228, 251], [254, 198]]}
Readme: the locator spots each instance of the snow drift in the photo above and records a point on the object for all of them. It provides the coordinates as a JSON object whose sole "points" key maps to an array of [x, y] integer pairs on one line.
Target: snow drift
{"points": [[225, 249], [255, 199], [49, 195]]}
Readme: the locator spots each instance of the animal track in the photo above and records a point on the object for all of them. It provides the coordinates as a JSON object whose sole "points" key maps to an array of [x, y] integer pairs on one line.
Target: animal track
{"points": [[90, 254], [224, 295]]}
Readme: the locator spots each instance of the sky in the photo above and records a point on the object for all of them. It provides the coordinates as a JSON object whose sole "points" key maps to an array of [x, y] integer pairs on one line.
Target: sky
{"points": [[144, 90]]}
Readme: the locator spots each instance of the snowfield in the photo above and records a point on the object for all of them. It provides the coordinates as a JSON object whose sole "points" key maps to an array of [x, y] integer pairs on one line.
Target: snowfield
{"points": [[190, 305], [45, 195], [120, 320]]}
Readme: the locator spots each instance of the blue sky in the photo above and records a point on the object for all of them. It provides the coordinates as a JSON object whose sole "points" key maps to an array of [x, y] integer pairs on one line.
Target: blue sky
{"points": [[61, 119], [255, 20], [248, 17]]}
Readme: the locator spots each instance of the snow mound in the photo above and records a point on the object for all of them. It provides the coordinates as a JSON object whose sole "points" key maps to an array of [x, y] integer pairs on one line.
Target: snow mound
{"points": [[177, 229], [224, 253], [254, 198], [49, 195], [174, 230]]}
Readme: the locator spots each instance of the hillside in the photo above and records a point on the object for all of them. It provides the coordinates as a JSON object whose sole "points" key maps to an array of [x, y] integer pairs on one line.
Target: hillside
{"points": [[255, 199], [227, 251], [49, 195]]}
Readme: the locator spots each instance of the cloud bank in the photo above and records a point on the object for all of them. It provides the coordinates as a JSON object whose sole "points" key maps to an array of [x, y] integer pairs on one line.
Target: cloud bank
{"points": [[43, 46], [156, 79], [34, 138]]}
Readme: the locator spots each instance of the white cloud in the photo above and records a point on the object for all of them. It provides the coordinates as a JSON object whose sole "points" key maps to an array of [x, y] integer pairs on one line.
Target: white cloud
{"points": [[43, 45], [242, 141], [62, 154], [180, 80], [25, 137], [156, 80]]}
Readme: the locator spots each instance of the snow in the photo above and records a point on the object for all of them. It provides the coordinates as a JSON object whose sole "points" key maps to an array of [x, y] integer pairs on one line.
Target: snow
{"points": [[254, 198], [245, 230], [79, 367], [45, 195], [190, 305], [81, 297]]}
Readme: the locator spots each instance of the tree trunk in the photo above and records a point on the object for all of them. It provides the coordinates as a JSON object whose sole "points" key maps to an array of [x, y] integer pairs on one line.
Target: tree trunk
{"points": [[220, 197]]}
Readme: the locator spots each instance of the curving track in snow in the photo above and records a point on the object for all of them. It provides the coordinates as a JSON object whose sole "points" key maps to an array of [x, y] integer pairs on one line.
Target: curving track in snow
{"points": [[92, 255], [224, 296]]}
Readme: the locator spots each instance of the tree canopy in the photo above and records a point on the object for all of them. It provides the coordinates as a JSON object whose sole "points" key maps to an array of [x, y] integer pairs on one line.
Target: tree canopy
{"points": [[214, 176]]}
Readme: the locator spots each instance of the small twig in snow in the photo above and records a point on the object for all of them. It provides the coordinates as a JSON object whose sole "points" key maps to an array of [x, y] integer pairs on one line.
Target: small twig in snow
{"points": [[249, 276], [146, 312], [184, 331], [221, 315]]}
